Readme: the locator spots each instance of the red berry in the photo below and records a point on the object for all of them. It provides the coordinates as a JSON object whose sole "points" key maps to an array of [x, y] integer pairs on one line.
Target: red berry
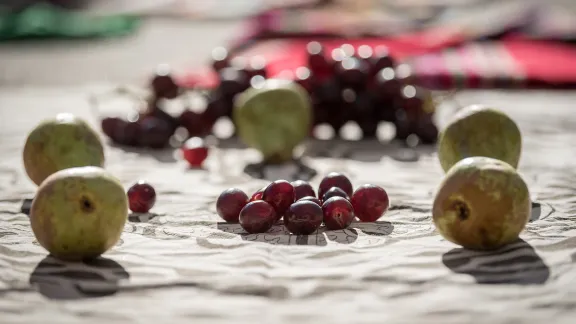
{"points": [[141, 197], [335, 179], [257, 195], [302, 189], [303, 218], [257, 217], [230, 203], [312, 199], [338, 213], [195, 151], [335, 192], [370, 202], [279, 194]]}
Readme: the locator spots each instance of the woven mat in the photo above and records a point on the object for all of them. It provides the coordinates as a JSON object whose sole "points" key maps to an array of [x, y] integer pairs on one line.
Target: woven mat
{"points": [[180, 264]]}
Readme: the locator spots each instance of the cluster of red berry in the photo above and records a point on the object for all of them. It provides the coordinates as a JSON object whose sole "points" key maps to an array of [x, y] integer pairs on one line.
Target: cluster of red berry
{"points": [[336, 205], [361, 84]]}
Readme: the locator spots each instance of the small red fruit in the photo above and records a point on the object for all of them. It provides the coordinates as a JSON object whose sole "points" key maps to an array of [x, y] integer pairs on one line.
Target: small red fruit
{"points": [[141, 197], [257, 217], [312, 199], [302, 189], [370, 202], [335, 179], [230, 203], [195, 151], [338, 213], [257, 195], [334, 192], [279, 194], [303, 218]]}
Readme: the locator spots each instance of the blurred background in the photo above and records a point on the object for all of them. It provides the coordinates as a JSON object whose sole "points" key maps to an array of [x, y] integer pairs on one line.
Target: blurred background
{"points": [[63, 42]]}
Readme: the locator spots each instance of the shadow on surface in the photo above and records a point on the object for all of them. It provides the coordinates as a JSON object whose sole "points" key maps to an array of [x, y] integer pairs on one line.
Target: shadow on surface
{"points": [[165, 155], [279, 235], [26, 205], [541, 211], [381, 228], [516, 263], [56, 279], [141, 217]]}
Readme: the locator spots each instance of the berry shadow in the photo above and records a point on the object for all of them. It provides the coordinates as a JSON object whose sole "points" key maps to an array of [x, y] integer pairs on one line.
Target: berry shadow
{"points": [[26, 205], [380, 228], [541, 211], [517, 263], [164, 155], [56, 279], [278, 235]]}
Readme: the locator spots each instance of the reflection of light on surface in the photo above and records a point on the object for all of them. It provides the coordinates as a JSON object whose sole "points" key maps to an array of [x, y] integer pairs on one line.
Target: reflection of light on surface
{"points": [[348, 95], [258, 62], [302, 73], [403, 71], [409, 91], [387, 73], [314, 48], [219, 53], [163, 69], [412, 140], [338, 54], [348, 63], [347, 49], [224, 128], [323, 132], [257, 81], [365, 51], [351, 131]]}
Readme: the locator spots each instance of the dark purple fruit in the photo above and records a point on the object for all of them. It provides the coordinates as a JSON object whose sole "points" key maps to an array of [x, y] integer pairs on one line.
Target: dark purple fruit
{"points": [[381, 59], [352, 72], [317, 61], [312, 199], [334, 192], [279, 194], [230, 203], [154, 132], [370, 202], [303, 218], [335, 179], [302, 189], [196, 124], [141, 197], [232, 81], [338, 213], [121, 131], [219, 58], [386, 85], [257, 217], [163, 85]]}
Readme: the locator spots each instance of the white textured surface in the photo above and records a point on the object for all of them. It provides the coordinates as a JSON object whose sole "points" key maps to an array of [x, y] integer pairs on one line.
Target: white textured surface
{"points": [[183, 266]]}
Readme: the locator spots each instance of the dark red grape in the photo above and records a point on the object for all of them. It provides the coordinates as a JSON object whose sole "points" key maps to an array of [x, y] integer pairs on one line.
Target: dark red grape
{"points": [[154, 132], [303, 218], [352, 72], [302, 189], [196, 124], [427, 130], [317, 61], [232, 81], [258, 194], [195, 151], [279, 194], [312, 199], [219, 58], [230, 203], [381, 59], [338, 213], [141, 197], [163, 85], [334, 192], [257, 217], [335, 179], [121, 131], [386, 85], [404, 74], [370, 202], [304, 78]]}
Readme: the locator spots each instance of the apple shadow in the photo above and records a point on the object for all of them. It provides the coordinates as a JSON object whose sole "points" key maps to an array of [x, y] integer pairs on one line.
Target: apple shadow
{"points": [[26, 205], [517, 263], [56, 279], [379, 228], [299, 171]]}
